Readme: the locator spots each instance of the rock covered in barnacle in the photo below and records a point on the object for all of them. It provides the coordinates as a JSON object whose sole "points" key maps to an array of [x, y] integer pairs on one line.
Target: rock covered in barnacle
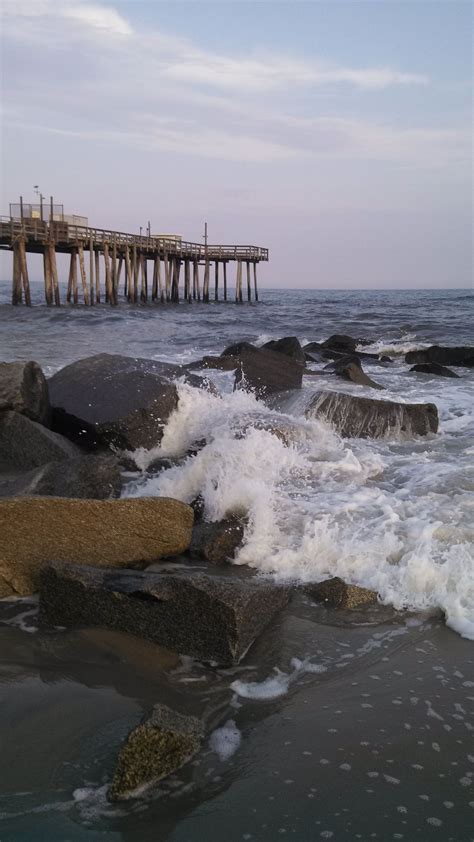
{"points": [[156, 748], [336, 593]]}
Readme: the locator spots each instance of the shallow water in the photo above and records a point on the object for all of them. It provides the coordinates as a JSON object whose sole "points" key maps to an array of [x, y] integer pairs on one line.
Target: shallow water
{"points": [[393, 514]]}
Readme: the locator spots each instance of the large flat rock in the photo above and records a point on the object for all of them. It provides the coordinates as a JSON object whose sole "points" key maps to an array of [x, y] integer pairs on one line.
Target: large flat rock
{"points": [[25, 444], [357, 417], [97, 477], [444, 355], [23, 389], [156, 748], [267, 372], [206, 615], [110, 400], [102, 533]]}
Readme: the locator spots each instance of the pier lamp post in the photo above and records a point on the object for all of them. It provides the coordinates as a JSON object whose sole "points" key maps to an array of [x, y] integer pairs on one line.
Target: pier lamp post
{"points": [[41, 197]]}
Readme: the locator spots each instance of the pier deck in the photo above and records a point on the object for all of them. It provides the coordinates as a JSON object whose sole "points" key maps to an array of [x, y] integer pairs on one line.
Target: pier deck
{"points": [[126, 255]]}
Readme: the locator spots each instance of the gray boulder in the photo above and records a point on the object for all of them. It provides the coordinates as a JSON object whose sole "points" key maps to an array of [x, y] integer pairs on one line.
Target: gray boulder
{"points": [[290, 346], [90, 477], [213, 617], [109, 400], [354, 416], [23, 389], [336, 593], [434, 368], [350, 368], [460, 356], [156, 748], [340, 342], [238, 348], [25, 444], [267, 372], [217, 542]]}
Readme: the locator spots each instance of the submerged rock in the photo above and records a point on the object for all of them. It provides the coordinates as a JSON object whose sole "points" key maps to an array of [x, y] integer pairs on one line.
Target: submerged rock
{"points": [[110, 400], [461, 356], [434, 368], [23, 389], [25, 444], [217, 542], [290, 346], [156, 748], [103, 533], [210, 616], [336, 593], [350, 368], [358, 417], [96, 477]]}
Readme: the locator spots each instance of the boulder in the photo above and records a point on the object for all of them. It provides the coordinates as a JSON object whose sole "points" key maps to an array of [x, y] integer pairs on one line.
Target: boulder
{"points": [[434, 368], [239, 348], [217, 542], [267, 372], [340, 342], [460, 356], [25, 444], [336, 593], [226, 363], [109, 400], [349, 368], [96, 477], [354, 416], [156, 748], [210, 616], [105, 533], [23, 389], [290, 346]]}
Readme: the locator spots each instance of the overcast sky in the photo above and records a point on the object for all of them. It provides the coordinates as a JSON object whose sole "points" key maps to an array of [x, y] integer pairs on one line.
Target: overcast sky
{"points": [[335, 133]]}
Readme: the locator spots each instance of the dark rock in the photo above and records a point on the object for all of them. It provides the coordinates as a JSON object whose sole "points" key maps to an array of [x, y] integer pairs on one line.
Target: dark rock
{"points": [[459, 356], [25, 444], [239, 348], [217, 542], [434, 368], [112, 400], [340, 342], [156, 748], [349, 368], [23, 389], [213, 617], [337, 593], [312, 347], [268, 372], [104, 533], [290, 346], [227, 363], [198, 506], [163, 463], [94, 477], [354, 416]]}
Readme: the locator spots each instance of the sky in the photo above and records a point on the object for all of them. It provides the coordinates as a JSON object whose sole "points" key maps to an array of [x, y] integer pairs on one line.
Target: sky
{"points": [[337, 134]]}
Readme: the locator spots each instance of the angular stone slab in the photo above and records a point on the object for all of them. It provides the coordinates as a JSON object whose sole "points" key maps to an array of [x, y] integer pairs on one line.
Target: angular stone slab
{"points": [[336, 593], [434, 368], [268, 372], [208, 616], [84, 477], [462, 355], [350, 368], [357, 417], [23, 389], [290, 346], [25, 444], [110, 400], [156, 748], [103, 533]]}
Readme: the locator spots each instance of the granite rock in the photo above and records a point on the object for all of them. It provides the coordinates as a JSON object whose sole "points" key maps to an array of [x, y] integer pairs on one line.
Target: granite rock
{"points": [[360, 417]]}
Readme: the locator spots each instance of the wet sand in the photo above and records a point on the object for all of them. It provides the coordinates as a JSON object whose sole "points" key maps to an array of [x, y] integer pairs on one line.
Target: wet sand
{"points": [[376, 744]]}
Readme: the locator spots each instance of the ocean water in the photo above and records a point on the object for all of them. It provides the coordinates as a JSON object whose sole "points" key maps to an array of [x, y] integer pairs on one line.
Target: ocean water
{"points": [[335, 726]]}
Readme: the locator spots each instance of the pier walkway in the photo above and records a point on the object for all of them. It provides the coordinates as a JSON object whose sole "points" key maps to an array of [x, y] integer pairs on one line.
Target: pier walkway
{"points": [[134, 267]]}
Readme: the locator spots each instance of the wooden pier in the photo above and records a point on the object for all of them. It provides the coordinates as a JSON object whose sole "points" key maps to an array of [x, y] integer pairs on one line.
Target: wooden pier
{"points": [[135, 268]]}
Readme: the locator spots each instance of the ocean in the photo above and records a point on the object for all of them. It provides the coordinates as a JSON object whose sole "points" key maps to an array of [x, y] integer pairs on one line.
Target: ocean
{"points": [[336, 726]]}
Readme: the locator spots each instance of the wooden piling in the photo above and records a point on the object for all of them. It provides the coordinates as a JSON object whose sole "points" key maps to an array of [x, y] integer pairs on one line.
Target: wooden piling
{"points": [[114, 271], [255, 280], [144, 279], [48, 294], [187, 291], [54, 273], [167, 277], [196, 281], [74, 291], [224, 264], [16, 279], [97, 276], [249, 291], [91, 270], [154, 286], [135, 274], [216, 281], [205, 291], [24, 272], [175, 285], [119, 272], [128, 274], [82, 268], [238, 283], [109, 293]]}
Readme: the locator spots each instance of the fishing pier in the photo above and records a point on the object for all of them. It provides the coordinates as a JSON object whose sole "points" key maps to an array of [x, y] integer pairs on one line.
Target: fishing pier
{"points": [[135, 268]]}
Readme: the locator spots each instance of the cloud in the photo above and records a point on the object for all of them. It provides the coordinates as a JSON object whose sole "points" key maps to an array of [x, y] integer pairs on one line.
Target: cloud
{"points": [[91, 15]]}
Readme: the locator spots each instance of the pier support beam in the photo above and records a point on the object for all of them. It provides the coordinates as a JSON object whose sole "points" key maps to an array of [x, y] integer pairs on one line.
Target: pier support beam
{"points": [[167, 278], [255, 280], [82, 267], [238, 283], [91, 271], [205, 291], [97, 276], [128, 274], [249, 291], [54, 273], [24, 272], [196, 282], [224, 264], [216, 284]]}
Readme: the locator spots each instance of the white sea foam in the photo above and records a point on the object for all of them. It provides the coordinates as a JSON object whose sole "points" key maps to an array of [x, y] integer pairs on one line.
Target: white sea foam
{"points": [[391, 515], [226, 740]]}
